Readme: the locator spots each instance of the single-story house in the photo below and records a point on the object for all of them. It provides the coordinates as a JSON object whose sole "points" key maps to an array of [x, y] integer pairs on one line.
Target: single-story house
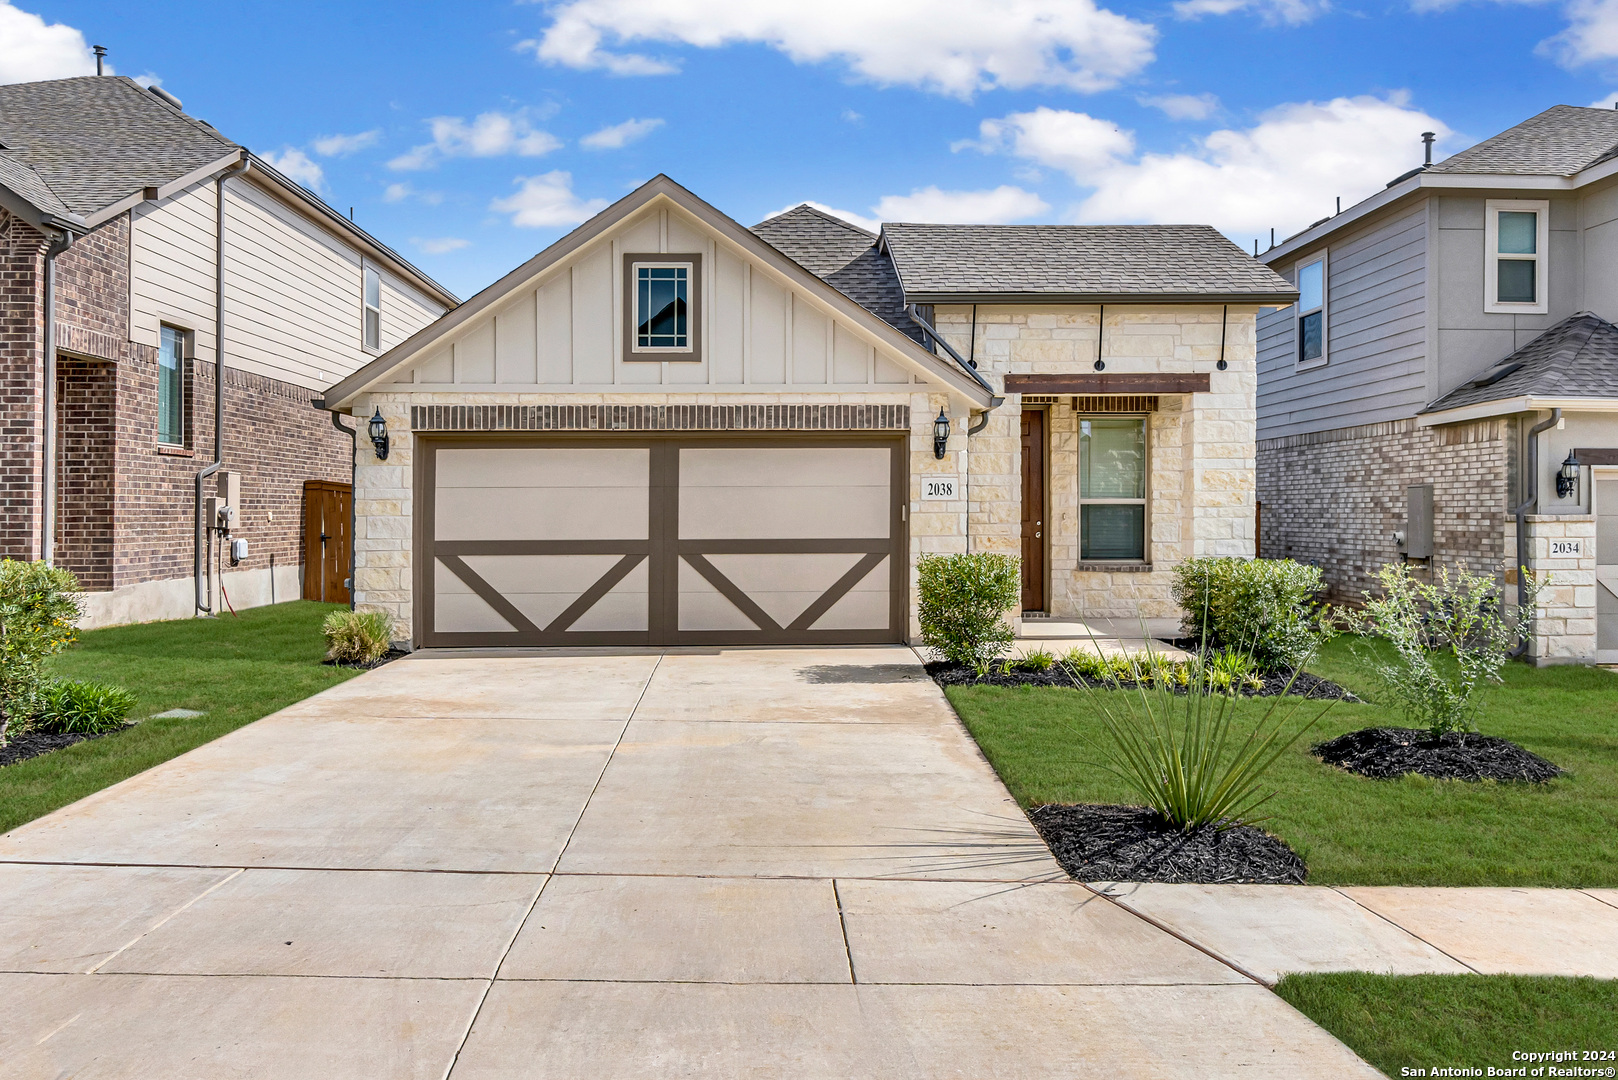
{"points": [[667, 428]]}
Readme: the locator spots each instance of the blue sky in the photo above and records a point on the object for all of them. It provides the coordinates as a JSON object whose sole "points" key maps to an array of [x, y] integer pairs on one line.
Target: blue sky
{"points": [[462, 133]]}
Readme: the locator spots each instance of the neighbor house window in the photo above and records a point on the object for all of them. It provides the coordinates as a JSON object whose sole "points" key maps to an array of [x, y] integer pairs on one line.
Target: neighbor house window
{"points": [[1516, 234], [661, 307], [1312, 311], [171, 387], [1112, 488], [373, 309]]}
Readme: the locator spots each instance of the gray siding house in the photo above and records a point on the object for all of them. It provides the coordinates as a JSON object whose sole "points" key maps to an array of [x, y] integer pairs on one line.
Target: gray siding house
{"points": [[1443, 391]]}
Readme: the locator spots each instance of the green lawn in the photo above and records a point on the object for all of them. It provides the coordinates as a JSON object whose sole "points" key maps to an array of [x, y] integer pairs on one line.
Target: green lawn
{"points": [[1352, 830], [234, 670], [1411, 1022]]}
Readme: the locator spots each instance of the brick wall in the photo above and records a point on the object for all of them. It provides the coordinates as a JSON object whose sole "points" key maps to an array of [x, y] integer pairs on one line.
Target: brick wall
{"points": [[22, 254], [1335, 498], [86, 397]]}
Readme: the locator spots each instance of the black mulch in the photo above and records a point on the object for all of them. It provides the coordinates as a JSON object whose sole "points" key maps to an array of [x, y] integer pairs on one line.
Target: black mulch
{"points": [[1132, 843], [387, 658], [1387, 753], [31, 745], [947, 674]]}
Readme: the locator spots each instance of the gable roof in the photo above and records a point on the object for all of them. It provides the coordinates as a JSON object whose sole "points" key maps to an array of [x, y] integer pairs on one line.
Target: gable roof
{"points": [[1562, 140], [342, 393], [1078, 264], [1576, 358]]}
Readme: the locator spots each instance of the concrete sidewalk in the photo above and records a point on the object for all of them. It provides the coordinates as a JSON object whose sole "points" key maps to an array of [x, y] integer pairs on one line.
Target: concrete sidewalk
{"points": [[751, 863]]}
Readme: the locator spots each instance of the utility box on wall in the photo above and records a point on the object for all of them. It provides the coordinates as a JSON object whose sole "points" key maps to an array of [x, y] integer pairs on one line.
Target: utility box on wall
{"points": [[1419, 521]]}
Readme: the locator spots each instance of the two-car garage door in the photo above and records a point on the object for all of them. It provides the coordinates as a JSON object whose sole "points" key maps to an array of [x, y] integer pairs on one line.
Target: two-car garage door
{"points": [[660, 540]]}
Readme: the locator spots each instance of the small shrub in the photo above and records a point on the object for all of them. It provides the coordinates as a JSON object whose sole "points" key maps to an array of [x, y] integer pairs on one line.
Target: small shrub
{"points": [[1451, 637], [354, 637], [39, 607], [1037, 660], [73, 707], [1263, 607], [1084, 663], [1228, 672], [964, 599]]}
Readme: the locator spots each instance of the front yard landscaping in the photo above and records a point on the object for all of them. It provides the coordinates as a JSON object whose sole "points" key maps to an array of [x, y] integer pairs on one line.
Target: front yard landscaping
{"points": [[1047, 744], [231, 670], [1435, 1022]]}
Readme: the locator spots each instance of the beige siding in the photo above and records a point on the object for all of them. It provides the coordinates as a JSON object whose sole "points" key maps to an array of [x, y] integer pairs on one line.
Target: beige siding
{"points": [[292, 290], [565, 328]]}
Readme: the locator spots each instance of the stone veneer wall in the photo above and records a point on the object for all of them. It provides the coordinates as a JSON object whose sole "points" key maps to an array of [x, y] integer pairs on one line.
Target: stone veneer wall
{"points": [[1565, 617], [1201, 446], [1335, 498], [384, 491]]}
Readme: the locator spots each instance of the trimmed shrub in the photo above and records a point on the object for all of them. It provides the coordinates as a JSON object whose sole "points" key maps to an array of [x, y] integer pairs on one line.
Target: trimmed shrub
{"points": [[1266, 608], [354, 637], [39, 607], [963, 602], [75, 707]]}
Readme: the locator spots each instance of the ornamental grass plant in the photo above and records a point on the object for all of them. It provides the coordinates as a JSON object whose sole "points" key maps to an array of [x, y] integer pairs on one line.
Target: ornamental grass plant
{"points": [[355, 637]]}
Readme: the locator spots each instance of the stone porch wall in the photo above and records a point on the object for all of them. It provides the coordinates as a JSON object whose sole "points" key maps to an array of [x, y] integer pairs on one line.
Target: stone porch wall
{"points": [[1565, 617]]}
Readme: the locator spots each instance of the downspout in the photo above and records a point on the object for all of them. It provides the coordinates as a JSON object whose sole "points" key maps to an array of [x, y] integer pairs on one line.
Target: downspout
{"points": [[201, 540], [353, 434], [1530, 498], [47, 487]]}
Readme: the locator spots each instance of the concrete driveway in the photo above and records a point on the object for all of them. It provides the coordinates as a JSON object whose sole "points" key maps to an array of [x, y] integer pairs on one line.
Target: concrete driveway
{"points": [[727, 863]]}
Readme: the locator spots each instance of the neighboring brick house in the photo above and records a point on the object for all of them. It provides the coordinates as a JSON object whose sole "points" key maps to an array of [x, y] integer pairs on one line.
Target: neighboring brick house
{"points": [[1452, 331], [667, 428], [111, 198]]}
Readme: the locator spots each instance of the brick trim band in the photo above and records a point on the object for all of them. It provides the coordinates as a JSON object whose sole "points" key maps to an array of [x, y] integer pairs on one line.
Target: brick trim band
{"points": [[660, 417]]}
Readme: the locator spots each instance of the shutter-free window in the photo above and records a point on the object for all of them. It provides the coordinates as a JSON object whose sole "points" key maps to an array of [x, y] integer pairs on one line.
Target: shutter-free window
{"points": [[1515, 236], [1112, 488], [373, 309], [171, 387], [1312, 311], [661, 309]]}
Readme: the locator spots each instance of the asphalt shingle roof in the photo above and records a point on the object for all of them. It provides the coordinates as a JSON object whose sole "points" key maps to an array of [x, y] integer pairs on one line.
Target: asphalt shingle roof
{"points": [[1558, 142], [93, 140], [1578, 358], [1075, 262]]}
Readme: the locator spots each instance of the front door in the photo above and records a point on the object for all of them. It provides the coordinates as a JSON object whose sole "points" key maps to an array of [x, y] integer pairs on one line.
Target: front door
{"points": [[326, 518], [1607, 568], [1033, 510]]}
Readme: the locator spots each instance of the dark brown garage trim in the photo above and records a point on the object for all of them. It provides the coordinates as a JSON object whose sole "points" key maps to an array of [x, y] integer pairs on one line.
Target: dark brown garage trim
{"points": [[660, 417], [1148, 383]]}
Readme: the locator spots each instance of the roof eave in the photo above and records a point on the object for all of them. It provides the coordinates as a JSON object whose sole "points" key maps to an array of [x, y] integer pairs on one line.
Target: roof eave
{"points": [[1260, 298], [41, 219], [1519, 403]]}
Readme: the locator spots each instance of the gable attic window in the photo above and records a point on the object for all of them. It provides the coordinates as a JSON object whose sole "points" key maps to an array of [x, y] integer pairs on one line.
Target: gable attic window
{"points": [[1312, 311], [662, 307], [1516, 234], [373, 310]]}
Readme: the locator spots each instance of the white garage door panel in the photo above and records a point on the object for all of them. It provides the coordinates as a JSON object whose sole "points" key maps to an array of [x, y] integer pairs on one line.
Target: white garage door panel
{"points": [[806, 492], [703, 607], [622, 609], [865, 605], [785, 585], [787, 466], [541, 493], [543, 466]]}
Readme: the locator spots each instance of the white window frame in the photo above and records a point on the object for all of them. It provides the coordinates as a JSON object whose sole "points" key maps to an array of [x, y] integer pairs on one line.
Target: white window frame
{"points": [[1145, 501], [663, 352], [1492, 257], [367, 271], [1325, 318]]}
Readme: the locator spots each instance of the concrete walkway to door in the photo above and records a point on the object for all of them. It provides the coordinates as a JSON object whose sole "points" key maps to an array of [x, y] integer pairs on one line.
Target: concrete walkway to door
{"points": [[761, 863]]}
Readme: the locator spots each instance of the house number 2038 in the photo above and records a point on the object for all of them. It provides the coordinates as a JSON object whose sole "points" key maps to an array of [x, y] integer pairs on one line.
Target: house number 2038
{"points": [[938, 487]]}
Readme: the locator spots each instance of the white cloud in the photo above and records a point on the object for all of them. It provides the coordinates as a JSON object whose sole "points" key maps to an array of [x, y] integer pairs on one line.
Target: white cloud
{"points": [[619, 136], [1608, 102], [1591, 35], [1282, 172], [147, 81], [1071, 141], [490, 134], [1291, 12], [342, 145], [441, 245], [955, 47], [1183, 106], [998, 206], [547, 200], [866, 223], [295, 165], [32, 49], [852, 117], [397, 192]]}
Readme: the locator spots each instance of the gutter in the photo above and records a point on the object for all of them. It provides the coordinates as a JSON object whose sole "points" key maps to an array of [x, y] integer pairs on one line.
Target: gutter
{"points": [[47, 488], [1520, 512], [201, 538]]}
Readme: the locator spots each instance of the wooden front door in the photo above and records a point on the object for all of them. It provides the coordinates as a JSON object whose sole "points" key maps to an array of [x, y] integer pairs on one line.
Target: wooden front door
{"points": [[327, 510], [1033, 510]]}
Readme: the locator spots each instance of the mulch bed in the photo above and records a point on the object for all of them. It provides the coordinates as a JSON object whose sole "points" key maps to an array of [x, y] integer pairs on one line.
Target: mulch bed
{"points": [[1133, 843], [945, 673], [31, 745], [388, 658], [1388, 753]]}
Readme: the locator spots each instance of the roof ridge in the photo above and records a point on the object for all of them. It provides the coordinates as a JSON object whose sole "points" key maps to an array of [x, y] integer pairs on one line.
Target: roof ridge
{"points": [[815, 210]]}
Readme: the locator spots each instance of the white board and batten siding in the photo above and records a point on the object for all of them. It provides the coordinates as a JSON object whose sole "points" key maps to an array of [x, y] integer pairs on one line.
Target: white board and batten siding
{"points": [[1376, 336], [563, 331], [293, 290]]}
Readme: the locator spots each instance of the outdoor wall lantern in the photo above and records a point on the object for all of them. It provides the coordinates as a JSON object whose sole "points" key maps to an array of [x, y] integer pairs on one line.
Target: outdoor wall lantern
{"points": [[379, 435], [940, 434], [1567, 477]]}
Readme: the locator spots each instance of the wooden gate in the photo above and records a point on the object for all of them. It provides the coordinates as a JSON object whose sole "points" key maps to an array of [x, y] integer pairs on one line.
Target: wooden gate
{"points": [[327, 514]]}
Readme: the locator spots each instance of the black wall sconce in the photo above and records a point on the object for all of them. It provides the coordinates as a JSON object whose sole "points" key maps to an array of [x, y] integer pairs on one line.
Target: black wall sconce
{"points": [[379, 435], [1567, 477], [940, 434]]}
